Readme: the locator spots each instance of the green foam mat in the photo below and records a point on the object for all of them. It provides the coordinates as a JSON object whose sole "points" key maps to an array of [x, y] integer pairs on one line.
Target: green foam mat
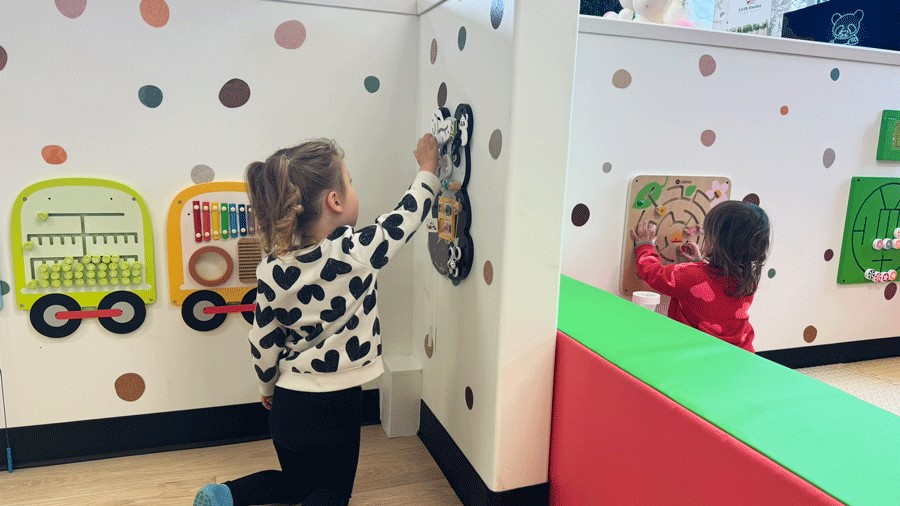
{"points": [[846, 447]]}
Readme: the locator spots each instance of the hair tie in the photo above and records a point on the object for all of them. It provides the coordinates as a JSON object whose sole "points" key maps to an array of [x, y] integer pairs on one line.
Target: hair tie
{"points": [[298, 208]]}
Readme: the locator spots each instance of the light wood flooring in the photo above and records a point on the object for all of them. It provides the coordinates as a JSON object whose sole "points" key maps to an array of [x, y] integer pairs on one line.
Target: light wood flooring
{"points": [[395, 472]]}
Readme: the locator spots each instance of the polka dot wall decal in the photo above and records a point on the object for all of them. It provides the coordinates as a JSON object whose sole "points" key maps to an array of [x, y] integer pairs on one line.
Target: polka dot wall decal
{"points": [[433, 51], [372, 84], [752, 198], [835, 74], [784, 110], [496, 13], [708, 138], [828, 158], [202, 174], [495, 145], [707, 65], [488, 272], [429, 346], [71, 8], [130, 387], [4, 287], [607, 167], [829, 254], [234, 93], [442, 95], [53, 154], [3, 58], [150, 95], [771, 273], [810, 333], [290, 34], [461, 38], [890, 290], [621, 79], [155, 12], [470, 397], [580, 215]]}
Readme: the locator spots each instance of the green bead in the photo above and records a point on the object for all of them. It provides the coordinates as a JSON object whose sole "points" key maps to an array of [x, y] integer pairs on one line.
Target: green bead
{"points": [[67, 275], [101, 274], [28, 246], [115, 258], [95, 259], [54, 275], [90, 267], [113, 266], [136, 275], [92, 282], [69, 260], [86, 259], [68, 283], [43, 268], [124, 266], [45, 284], [79, 267], [104, 282], [105, 259], [91, 274], [102, 267], [137, 265], [55, 267], [44, 276], [114, 281], [32, 284], [79, 282], [67, 268], [56, 283]]}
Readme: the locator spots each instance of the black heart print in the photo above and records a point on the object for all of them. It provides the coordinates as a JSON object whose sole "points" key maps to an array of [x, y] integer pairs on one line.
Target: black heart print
{"points": [[379, 350], [264, 289], [293, 336], [408, 203], [320, 345], [353, 323], [376, 328], [332, 359], [264, 317], [307, 293], [291, 355], [410, 236], [358, 287], [333, 268], [428, 188], [288, 318], [253, 351], [337, 233], [392, 226], [276, 337], [338, 308], [379, 259], [355, 351], [298, 371], [270, 259], [425, 208], [369, 303], [267, 375], [347, 245], [312, 256], [312, 332], [285, 278], [366, 235]]}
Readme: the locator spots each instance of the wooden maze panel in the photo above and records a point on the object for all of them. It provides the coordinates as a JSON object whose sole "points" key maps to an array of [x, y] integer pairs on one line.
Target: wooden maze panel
{"points": [[873, 217], [677, 205]]}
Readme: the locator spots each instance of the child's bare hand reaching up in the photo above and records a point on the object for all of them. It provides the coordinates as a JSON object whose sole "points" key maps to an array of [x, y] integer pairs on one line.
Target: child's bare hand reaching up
{"points": [[645, 234], [690, 251], [427, 153]]}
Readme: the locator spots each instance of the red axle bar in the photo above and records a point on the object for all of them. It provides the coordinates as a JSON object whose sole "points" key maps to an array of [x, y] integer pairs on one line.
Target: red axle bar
{"points": [[242, 308], [83, 315]]}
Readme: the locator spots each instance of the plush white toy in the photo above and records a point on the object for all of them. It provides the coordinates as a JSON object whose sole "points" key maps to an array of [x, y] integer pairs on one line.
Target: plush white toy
{"points": [[668, 12]]}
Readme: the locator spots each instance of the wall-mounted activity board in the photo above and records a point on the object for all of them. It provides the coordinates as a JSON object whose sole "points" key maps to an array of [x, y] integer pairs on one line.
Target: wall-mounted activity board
{"points": [[889, 138], [677, 205], [449, 242], [82, 248], [870, 251], [212, 254]]}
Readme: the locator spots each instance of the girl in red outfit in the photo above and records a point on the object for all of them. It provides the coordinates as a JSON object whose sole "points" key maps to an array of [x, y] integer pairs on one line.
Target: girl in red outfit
{"points": [[713, 291]]}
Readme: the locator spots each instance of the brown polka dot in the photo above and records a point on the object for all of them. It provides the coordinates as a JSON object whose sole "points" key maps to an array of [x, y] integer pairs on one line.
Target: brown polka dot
{"points": [[429, 346], [752, 198], [130, 387], [580, 215], [829, 254], [155, 12], [234, 93], [890, 290], [828, 158], [433, 51], [708, 138], [495, 145], [809, 334], [470, 397], [488, 272], [442, 95], [54, 154], [290, 34], [784, 110], [621, 79], [3, 58], [607, 167], [707, 65], [71, 8]]}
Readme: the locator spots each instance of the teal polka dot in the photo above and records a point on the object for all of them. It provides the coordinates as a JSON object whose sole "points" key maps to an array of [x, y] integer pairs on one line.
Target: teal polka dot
{"points": [[150, 95], [771, 273], [461, 38], [835, 74], [496, 13], [372, 84], [4, 288]]}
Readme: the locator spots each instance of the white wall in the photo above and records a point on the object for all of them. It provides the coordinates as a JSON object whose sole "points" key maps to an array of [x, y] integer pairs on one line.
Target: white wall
{"points": [[653, 127], [74, 82]]}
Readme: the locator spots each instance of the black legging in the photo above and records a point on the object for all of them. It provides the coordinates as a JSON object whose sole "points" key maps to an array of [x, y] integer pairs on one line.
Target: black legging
{"points": [[316, 436]]}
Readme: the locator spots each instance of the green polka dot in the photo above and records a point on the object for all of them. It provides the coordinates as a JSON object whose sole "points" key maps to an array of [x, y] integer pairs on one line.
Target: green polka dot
{"points": [[372, 84], [150, 95], [771, 273], [4, 288], [461, 38], [835, 74]]}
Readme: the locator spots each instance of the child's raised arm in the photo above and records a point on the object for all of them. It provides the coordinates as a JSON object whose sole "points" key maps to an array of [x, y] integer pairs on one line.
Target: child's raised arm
{"points": [[665, 279]]}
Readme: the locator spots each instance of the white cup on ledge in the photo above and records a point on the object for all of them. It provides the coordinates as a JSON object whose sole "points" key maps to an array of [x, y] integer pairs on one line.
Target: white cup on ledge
{"points": [[648, 300]]}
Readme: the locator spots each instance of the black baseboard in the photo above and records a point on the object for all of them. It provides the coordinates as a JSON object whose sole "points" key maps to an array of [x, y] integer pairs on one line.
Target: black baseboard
{"points": [[838, 353], [462, 476], [63, 443]]}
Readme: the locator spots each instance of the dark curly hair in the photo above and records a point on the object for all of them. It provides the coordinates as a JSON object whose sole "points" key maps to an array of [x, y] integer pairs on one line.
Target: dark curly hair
{"points": [[736, 242]]}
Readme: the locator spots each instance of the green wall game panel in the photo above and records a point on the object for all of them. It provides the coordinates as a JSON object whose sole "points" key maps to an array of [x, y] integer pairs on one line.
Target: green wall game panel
{"points": [[870, 251]]}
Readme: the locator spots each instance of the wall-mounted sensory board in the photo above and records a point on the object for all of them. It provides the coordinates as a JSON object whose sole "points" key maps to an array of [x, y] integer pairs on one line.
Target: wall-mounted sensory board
{"points": [[870, 251], [677, 205]]}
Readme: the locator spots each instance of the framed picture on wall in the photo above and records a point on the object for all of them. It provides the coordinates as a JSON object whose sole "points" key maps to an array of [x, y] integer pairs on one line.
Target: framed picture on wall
{"points": [[889, 139]]}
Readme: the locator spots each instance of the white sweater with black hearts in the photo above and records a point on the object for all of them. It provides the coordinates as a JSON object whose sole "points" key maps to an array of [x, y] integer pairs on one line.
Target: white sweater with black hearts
{"points": [[316, 326]]}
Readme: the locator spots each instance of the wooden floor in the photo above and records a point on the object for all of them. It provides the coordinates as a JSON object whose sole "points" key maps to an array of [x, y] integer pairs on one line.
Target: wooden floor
{"points": [[391, 472]]}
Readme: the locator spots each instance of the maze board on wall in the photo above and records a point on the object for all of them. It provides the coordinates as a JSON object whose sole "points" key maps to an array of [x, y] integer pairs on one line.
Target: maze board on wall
{"points": [[677, 205], [869, 251]]}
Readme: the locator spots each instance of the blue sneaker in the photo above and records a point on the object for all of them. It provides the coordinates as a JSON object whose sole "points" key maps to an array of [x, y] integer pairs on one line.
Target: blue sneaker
{"points": [[214, 495]]}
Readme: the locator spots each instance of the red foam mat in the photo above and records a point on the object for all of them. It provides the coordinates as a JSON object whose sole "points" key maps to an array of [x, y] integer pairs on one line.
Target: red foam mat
{"points": [[615, 440]]}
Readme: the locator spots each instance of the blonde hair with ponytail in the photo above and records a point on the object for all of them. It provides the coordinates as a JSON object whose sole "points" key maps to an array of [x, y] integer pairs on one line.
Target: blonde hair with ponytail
{"points": [[286, 191]]}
